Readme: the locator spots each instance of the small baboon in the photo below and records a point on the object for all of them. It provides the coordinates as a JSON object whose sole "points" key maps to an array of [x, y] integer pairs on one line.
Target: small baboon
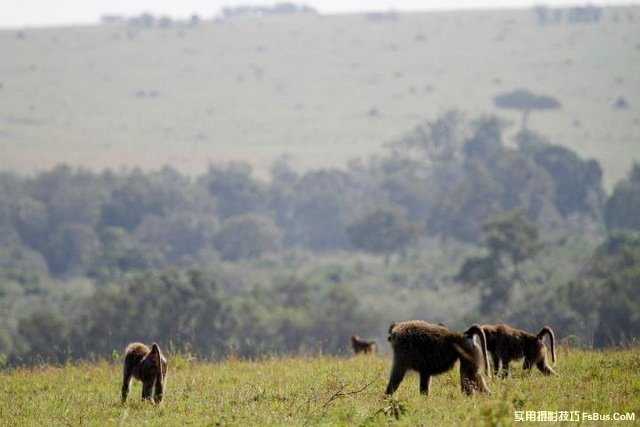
{"points": [[507, 344], [146, 365], [362, 346], [433, 349]]}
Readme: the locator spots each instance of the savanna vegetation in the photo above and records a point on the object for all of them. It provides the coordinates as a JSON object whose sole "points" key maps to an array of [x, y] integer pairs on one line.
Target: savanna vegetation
{"points": [[255, 82], [321, 390], [453, 223], [306, 199]]}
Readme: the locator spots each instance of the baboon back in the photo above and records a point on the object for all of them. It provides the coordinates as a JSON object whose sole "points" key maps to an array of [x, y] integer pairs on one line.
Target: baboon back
{"points": [[505, 340], [423, 346], [134, 354]]}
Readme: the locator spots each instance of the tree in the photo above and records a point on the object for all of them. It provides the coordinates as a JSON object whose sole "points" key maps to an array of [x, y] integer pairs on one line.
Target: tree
{"points": [[44, 337], [246, 236], [622, 209], [72, 249], [235, 190], [121, 254], [184, 308], [509, 240], [578, 182], [179, 236], [384, 231], [322, 203], [608, 291], [440, 140], [486, 141], [136, 195], [525, 101]]}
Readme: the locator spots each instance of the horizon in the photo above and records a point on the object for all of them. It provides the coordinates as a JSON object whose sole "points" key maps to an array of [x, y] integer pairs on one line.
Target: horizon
{"points": [[34, 14]]}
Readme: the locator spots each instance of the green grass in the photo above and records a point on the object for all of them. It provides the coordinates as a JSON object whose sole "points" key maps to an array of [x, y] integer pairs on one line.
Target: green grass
{"points": [[314, 391]]}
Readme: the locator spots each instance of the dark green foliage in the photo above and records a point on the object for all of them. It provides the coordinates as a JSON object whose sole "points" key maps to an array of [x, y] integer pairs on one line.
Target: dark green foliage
{"points": [[94, 252], [135, 195], [512, 237], [101, 225], [235, 190], [177, 308], [509, 240], [72, 248], [44, 337], [246, 237], [608, 293], [187, 311], [383, 231], [122, 253], [178, 236], [489, 179], [622, 210], [578, 183]]}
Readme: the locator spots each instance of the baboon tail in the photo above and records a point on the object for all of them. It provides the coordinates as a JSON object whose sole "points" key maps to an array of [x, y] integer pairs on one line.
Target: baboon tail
{"points": [[156, 354], [477, 330], [552, 339]]}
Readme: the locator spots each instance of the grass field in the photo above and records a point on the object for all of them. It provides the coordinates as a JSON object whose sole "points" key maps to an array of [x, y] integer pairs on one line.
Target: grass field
{"points": [[316, 391], [323, 89]]}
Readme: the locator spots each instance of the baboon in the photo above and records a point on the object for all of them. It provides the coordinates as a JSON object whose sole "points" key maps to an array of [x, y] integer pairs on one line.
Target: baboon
{"points": [[362, 346], [507, 344], [433, 349], [146, 365]]}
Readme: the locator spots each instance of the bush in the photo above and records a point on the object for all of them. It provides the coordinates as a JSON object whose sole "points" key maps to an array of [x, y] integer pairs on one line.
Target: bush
{"points": [[246, 237]]}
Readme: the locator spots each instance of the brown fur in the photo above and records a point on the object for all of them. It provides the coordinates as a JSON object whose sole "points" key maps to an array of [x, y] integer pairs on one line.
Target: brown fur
{"points": [[433, 349], [507, 344], [362, 346], [146, 365]]}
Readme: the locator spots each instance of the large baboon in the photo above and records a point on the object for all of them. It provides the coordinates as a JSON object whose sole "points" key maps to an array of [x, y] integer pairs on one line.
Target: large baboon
{"points": [[507, 344], [146, 365], [433, 349], [362, 346]]}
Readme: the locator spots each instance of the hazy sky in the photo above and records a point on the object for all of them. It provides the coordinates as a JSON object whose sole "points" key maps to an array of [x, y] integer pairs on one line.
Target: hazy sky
{"points": [[17, 13]]}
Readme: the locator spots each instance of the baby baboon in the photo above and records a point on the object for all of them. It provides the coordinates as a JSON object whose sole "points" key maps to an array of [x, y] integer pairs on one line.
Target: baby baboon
{"points": [[362, 346], [433, 349], [506, 344], [148, 366]]}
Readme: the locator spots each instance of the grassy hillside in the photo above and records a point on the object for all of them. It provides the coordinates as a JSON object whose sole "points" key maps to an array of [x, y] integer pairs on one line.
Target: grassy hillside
{"points": [[323, 89], [316, 391]]}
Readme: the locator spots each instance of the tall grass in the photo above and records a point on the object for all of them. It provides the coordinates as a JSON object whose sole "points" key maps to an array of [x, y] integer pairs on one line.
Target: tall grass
{"points": [[317, 390]]}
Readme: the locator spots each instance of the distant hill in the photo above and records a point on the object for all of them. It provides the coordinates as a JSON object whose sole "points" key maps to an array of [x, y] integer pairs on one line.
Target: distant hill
{"points": [[323, 89]]}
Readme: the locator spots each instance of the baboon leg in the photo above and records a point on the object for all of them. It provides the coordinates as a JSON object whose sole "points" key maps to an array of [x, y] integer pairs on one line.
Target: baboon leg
{"points": [[481, 385], [158, 389], [147, 388], [527, 364], [397, 375], [504, 371], [496, 363], [126, 383], [467, 383], [471, 381], [544, 368], [425, 382]]}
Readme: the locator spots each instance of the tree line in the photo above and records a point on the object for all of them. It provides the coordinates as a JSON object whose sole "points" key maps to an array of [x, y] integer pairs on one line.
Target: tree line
{"points": [[122, 240]]}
